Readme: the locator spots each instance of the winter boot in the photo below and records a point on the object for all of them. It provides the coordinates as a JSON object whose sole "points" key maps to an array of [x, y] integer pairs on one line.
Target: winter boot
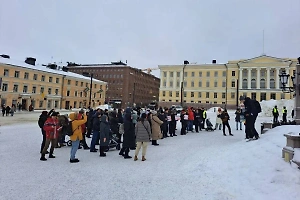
{"points": [[154, 142], [224, 134], [102, 154], [74, 161], [51, 156], [230, 134], [135, 158], [43, 157], [143, 158], [121, 153], [126, 156]]}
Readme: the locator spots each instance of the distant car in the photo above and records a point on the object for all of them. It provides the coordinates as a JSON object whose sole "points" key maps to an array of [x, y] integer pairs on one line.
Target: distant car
{"points": [[178, 108]]}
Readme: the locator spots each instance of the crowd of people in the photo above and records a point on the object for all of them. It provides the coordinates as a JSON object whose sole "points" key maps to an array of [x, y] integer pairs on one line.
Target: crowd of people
{"points": [[134, 128]]}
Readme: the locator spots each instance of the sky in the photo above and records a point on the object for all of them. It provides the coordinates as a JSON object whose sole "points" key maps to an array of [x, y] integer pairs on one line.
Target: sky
{"points": [[148, 33]]}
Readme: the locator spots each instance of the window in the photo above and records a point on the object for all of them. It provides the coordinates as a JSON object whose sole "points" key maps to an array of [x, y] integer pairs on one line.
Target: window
{"points": [[178, 74], [25, 88], [207, 95], [95, 86], [224, 74], [56, 104], [171, 74], [262, 72], [199, 84], [199, 95], [200, 74], [223, 84], [177, 94], [192, 94], [215, 95], [245, 84], [81, 94], [233, 73], [207, 74], [253, 83], [192, 84], [184, 84], [4, 87], [164, 93], [41, 104], [170, 93], [272, 73], [6, 72], [223, 95], [56, 91], [81, 84], [68, 93], [263, 96], [69, 82], [216, 84], [207, 102], [262, 83], [26, 75], [184, 94], [50, 79], [232, 95], [171, 84], [57, 80], [49, 90], [76, 93], [17, 74], [245, 94], [232, 83], [272, 83], [253, 95], [178, 84], [216, 74], [245, 72], [43, 78], [273, 96], [165, 74], [35, 77], [94, 95], [282, 96], [164, 84], [185, 74], [193, 74], [253, 73], [42, 90], [207, 83], [33, 89], [15, 89]]}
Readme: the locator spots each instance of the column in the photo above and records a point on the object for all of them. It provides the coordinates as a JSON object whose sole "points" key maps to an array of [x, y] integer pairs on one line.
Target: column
{"points": [[268, 78], [241, 79], [161, 78], [168, 80], [258, 78], [249, 78], [277, 79]]}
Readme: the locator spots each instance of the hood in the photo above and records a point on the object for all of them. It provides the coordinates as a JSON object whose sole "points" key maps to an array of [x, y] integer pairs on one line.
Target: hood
{"points": [[103, 118], [72, 116]]}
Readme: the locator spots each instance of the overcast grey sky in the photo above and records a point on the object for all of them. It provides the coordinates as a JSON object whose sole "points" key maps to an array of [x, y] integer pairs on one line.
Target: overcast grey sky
{"points": [[148, 32]]}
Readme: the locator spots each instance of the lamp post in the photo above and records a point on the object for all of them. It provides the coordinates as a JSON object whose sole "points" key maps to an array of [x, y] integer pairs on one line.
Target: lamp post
{"points": [[185, 63], [284, 77], [237, 93], [91, 85]]}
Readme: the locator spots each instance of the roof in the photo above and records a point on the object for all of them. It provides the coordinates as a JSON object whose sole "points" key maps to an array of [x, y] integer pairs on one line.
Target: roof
{"points": [[45, 69]]}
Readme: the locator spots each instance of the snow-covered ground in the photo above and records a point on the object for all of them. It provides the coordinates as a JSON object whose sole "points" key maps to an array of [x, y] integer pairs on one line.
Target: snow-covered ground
{"points": [[203, 165]]}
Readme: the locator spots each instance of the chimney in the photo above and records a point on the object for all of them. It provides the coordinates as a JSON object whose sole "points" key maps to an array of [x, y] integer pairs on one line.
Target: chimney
{"points": [[5, 56], [30, 61], [214, 61]]}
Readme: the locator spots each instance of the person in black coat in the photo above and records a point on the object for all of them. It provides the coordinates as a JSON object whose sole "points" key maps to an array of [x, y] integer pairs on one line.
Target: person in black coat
{"points": [[96, 131], [172, 123], [225, 121], [104, 134], [128, 136], [43, 117], [120, 116], [197, 120], [184, 122], [252, 114], [114, 125], [89, 123]]}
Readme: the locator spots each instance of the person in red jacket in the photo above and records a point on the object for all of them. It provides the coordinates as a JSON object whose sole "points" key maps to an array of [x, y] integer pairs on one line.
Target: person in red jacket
{"points": [[83, 130], [191, 119], [51, 128]]}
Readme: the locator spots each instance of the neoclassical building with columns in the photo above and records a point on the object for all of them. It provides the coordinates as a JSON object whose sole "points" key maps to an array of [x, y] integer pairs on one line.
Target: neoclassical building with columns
{"points": [[218, 84]]}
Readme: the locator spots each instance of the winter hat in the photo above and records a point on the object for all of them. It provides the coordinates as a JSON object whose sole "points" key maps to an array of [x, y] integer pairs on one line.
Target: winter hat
{"points": [[44, 112], [55, 114]]}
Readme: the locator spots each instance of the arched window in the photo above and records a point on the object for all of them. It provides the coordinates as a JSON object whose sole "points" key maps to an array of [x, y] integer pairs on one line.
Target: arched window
{"points": [[272, 83], [253, 83], [245, 84], [262, 83]]}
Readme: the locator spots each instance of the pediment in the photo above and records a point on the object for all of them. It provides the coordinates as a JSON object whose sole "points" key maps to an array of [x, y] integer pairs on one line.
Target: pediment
{"points": [[265, 59]]}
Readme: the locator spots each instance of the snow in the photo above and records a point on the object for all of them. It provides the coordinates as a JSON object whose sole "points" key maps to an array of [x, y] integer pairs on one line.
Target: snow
{"points": [[296, 157], [267, 106], [203, 165], [45, 69]]}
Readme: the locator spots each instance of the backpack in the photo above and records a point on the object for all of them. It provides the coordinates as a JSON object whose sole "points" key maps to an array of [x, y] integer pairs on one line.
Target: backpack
{"points": [[69, 130], [257, 106]]}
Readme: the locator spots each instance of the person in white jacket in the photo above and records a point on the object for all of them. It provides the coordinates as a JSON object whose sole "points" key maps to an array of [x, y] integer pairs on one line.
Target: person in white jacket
{"points": [[218, 119]]}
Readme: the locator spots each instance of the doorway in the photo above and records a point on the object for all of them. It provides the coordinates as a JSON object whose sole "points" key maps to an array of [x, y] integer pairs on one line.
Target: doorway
{"points": [[67, 107], [24, 104]]}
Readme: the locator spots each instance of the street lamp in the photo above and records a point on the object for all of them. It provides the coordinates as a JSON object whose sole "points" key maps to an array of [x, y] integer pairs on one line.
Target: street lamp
{"points": [[91, 85], [185, 63]]}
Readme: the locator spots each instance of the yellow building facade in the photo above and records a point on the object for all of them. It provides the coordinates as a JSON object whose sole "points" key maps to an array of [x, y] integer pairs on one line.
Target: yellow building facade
{"points": [[222, 84], [46, 88]]}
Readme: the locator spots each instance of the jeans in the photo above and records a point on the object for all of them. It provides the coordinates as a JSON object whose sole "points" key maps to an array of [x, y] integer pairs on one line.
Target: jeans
{"points": [[237, 125], [95, 138], [190, 125], [75, 145]]}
